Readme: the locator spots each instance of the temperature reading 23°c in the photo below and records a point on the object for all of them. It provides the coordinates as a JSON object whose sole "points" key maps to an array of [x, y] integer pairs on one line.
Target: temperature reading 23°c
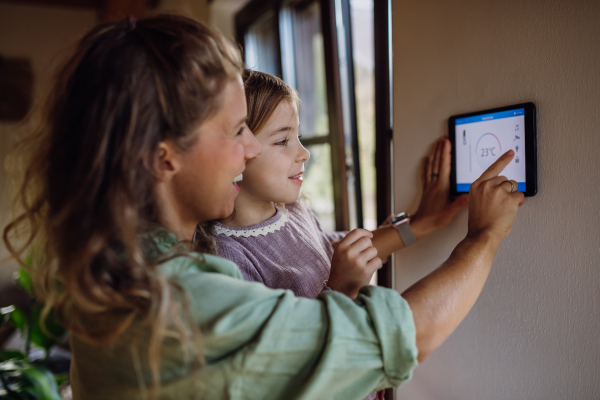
{"points": [[488, 149]]}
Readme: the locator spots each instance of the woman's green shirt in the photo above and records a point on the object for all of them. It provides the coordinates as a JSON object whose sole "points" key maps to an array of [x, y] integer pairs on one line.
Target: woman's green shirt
{"points": [[257, 343]]}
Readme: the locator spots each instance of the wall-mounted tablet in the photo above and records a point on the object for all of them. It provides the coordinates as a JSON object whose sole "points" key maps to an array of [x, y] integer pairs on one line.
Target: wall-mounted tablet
{"points": [[480, 138]]}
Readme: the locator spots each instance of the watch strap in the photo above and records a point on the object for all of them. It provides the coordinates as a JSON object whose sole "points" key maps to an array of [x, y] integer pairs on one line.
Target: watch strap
{"points": [[406, 233]]}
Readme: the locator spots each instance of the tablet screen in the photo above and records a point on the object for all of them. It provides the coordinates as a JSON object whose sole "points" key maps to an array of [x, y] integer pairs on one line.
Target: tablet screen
{"points": [[482, 139]]}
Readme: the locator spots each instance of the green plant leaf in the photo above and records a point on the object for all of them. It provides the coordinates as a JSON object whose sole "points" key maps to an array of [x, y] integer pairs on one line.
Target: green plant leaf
{"points": [[23, 277], [61, 378], [43, 382], [5, 313], [18, 319], [33, 379], [6, 355], [53, 332]]}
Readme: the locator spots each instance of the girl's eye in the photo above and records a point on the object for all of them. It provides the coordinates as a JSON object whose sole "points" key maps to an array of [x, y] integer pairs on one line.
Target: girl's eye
{"points": [[283, 142]]}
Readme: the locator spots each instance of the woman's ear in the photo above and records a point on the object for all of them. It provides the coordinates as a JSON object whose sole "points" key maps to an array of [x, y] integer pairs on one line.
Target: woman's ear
{"points": [[166, 162]]}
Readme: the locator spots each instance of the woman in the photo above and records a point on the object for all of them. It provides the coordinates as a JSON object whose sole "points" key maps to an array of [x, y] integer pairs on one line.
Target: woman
{"points": [[144, 138]]}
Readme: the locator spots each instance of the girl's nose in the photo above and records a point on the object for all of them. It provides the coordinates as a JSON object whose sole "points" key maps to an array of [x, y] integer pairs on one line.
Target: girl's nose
{"points": [[303, 154]]}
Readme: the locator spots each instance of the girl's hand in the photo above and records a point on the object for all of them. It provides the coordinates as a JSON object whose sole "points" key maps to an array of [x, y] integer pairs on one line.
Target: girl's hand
{"points": [[436, 209], [354, 262]]}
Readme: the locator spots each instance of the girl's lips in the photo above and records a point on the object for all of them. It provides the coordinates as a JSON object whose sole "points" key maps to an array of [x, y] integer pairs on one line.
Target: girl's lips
{"points": [[296, 178]]}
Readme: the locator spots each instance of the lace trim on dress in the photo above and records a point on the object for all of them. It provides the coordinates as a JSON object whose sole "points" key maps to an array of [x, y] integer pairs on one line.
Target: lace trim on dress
{"points": [[263, 230]]}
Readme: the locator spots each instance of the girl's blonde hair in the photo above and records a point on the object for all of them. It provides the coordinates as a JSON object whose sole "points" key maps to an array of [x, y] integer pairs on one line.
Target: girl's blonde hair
{"points": [[86, 198], [264, 92]]}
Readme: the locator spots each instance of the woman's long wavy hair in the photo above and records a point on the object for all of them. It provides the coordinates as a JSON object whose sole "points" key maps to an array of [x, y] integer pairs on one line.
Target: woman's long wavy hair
{"points": [[86, 195]]}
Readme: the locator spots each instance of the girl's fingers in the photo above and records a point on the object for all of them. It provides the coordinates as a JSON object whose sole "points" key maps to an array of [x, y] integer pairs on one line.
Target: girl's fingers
{"points": [[354, 249], [353, 236], [367, 255], [374, 264]]}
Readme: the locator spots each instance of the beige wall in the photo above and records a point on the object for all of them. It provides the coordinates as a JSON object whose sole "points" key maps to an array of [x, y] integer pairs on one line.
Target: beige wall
{"points": [[222, 14], [534, 332], [45, 35], [197, 9]]}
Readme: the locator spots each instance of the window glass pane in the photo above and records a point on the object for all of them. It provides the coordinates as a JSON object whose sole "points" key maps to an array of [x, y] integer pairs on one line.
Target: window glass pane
{"points": [[310, 71], [364, 62], [318, 185], [262, 47]]}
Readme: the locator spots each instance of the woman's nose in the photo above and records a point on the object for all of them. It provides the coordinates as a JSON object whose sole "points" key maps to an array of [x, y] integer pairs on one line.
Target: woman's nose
{"points": [[251, 146]]}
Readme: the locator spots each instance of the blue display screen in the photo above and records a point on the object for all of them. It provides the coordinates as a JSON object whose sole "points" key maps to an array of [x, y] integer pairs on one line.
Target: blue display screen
{"points": [[482, 139]]}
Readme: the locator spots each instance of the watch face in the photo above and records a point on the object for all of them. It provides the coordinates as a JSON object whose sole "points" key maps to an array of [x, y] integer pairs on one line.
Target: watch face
{"points": [[399, 218]]}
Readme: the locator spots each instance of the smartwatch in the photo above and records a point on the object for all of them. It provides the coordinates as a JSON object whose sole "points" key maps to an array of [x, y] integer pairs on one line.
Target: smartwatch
{"points": [[402, 224]]}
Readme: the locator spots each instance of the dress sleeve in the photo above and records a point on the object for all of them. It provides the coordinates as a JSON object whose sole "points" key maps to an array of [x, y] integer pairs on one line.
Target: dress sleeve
{"points": [[335, 236], [235, 252], [329, 236], [271, 344]]}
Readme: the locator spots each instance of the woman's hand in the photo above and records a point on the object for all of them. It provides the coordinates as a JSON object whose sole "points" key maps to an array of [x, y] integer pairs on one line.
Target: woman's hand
{"points": [[494, 201], [354, 262], [442, 299], [436, 209]]}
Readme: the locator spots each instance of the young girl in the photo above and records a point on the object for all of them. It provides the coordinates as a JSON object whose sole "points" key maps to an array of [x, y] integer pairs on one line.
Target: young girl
{"points": [[276, 239], [272, 236]]}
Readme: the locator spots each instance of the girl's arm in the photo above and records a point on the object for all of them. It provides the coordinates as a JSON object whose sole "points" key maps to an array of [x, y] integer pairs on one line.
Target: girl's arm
{"points": [[436, 209]]}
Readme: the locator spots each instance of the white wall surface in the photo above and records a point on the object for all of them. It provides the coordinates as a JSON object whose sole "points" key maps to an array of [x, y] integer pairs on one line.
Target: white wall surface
{"points": [[535, 331]]}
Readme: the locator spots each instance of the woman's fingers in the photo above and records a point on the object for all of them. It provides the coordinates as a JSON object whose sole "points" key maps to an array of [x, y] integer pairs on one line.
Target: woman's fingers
{"points": [[445, 160], [430, 164], [511, 186], [497, 167], [435, 170], [497, 180], [494, 201], [424, 174]]}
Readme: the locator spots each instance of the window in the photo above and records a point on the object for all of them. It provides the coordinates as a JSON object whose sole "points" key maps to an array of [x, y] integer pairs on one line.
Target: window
{"points": [[310, 44]]}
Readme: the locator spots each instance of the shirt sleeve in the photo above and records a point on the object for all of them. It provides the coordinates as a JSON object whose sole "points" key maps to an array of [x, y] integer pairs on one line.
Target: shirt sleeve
{"points": [[270, 344]]}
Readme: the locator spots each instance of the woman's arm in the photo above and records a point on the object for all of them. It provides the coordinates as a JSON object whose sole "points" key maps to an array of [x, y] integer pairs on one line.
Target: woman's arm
{"points": [[441, 300]]}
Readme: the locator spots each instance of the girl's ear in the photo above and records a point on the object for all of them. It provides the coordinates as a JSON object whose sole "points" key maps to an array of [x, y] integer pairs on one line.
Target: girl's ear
{"points": [[166, 162]]}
